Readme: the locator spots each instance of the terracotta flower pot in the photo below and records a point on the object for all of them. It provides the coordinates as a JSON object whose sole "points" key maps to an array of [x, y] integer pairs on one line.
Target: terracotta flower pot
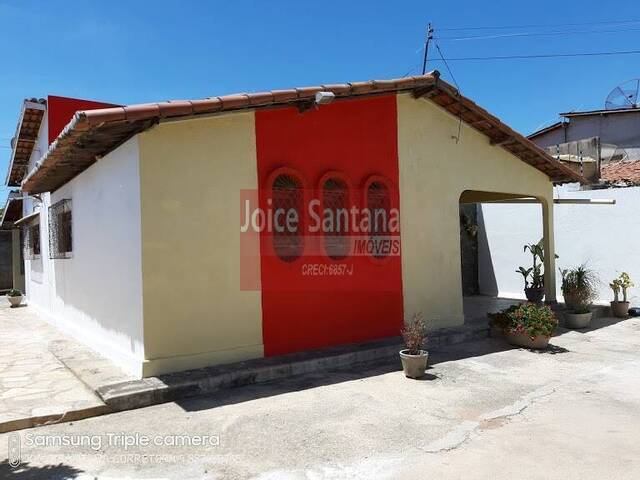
{"points": [[521, 340], [414, 366], [15, 301], [620, 309], [534, 294], [577, 320]]}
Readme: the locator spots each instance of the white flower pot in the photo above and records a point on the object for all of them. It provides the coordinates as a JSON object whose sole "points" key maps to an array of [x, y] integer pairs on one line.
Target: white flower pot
{"points": [[414, 366], [15, 301], [577, 320]]}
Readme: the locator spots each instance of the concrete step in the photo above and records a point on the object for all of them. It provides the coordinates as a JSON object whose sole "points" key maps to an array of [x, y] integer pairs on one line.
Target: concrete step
{"points": [[165, 388]]}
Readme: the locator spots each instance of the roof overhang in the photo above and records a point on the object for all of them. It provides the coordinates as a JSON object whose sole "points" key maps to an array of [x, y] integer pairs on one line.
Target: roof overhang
{"points": [[548, 129], [24, 140], [92, 134], [12, 210], [612, 111]]}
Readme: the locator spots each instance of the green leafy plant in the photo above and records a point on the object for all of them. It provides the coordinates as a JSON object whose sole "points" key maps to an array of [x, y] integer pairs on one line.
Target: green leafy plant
{"points": [[14, 292], [535, 271], [531, 320], [579, 288], [622, 283], [414, 334]]}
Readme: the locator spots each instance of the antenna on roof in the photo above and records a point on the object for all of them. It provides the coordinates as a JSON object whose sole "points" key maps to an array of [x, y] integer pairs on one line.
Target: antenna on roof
{"points": [[426, 47]]}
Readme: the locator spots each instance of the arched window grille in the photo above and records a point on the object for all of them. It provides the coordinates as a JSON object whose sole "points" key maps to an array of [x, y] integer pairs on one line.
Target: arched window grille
{"points": [[379, 205], [335, 200], [287, 195]]}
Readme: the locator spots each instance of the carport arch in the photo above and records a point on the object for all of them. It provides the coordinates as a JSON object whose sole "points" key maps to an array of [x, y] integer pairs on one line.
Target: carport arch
{"points": [[479, 196]]}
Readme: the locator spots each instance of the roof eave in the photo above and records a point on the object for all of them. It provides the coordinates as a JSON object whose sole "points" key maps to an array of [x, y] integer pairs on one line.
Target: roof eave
{"points": [[118, 124]]}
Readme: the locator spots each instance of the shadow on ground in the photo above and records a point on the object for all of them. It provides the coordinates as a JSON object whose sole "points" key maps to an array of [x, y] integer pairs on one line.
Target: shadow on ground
{"points": [[338, 375], [49, 472]]}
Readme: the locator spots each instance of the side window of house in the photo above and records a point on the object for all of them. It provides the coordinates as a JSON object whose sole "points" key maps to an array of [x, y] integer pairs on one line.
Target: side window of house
{"points": [[31, 239], [287, 196], [335, 199], [60, 230], [379, 205]]}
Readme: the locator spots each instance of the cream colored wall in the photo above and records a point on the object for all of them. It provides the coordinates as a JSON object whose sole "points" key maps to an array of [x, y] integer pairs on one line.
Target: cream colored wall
{"points": [[191, 175], [434, 171]]}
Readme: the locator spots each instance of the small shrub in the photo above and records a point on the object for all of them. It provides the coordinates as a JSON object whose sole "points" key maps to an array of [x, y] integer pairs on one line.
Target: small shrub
{"points": [[14, 292], [579, 288], [414, 335], [532, 320]]}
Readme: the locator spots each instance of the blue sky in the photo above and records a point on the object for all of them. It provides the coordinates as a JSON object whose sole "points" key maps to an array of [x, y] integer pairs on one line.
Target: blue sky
{"points": [[138, 51]]}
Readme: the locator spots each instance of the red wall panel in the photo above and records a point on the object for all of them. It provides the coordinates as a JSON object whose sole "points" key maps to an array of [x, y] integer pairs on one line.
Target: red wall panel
{"points": [[60, 111], [357, 138]]}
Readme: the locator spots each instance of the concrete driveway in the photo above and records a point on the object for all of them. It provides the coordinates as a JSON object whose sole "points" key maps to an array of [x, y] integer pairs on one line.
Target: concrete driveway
{"points": [[484, 411]]}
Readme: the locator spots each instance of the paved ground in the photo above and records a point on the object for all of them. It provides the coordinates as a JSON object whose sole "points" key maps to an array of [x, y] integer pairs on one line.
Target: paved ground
{"points": [[484, 411], [33, 382], [36, 384]]}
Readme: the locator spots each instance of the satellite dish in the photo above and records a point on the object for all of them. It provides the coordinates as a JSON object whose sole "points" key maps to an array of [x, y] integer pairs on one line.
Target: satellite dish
{"points": [[624, 96]]}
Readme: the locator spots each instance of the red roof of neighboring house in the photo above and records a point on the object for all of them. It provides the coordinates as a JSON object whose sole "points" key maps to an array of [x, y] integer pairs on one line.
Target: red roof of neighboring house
{"points": [[621, 172], [92, 134]]}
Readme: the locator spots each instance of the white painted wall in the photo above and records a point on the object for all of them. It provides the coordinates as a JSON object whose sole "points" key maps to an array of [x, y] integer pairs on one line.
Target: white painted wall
{"points": [[605, 237], [96, 296]]}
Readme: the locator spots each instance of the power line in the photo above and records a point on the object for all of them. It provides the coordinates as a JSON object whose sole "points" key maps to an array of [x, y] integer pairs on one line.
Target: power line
{"points": [[536, 34], [447, 65], [511, 27], [550, 55]]}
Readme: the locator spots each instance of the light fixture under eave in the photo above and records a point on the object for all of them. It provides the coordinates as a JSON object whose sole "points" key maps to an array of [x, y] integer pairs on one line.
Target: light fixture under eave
{"points": [[323, 98]]}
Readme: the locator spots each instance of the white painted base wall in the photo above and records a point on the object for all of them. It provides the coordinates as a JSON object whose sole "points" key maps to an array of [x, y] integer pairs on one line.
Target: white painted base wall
{"points": [[96, 296], [605, 237]]}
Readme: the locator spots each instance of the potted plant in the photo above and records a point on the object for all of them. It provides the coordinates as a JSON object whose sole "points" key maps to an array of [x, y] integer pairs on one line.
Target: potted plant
{"points": [[15, 297], [530, 326], [579, 288], [534, 288], [622, 283], [499, 321], [413, 357]]}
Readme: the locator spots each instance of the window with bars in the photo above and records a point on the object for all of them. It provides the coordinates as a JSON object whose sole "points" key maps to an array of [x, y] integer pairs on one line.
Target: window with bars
{"points": [[60, 230], [287, 195], [379, 204], [335, 198], [31, 239]]}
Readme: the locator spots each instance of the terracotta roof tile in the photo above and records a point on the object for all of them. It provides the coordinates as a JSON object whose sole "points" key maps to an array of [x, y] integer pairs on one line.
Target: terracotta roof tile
{"points": [[94, 133], [621, 172]]}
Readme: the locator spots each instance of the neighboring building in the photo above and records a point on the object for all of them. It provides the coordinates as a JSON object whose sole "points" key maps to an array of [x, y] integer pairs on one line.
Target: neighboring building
{"points": [[132, 219], [616, 153]]}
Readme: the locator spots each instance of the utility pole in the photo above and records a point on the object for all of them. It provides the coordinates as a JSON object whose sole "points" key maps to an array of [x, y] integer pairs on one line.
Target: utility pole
{"points": [[426, 48]]}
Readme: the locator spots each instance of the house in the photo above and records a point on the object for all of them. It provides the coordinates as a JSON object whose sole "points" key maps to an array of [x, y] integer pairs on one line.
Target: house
{"points": [[180, 234], [614, 134]]}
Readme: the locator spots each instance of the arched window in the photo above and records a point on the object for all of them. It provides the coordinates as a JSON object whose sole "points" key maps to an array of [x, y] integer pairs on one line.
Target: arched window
{"points": [[335, 206], [287, 195], [379, 205]]}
